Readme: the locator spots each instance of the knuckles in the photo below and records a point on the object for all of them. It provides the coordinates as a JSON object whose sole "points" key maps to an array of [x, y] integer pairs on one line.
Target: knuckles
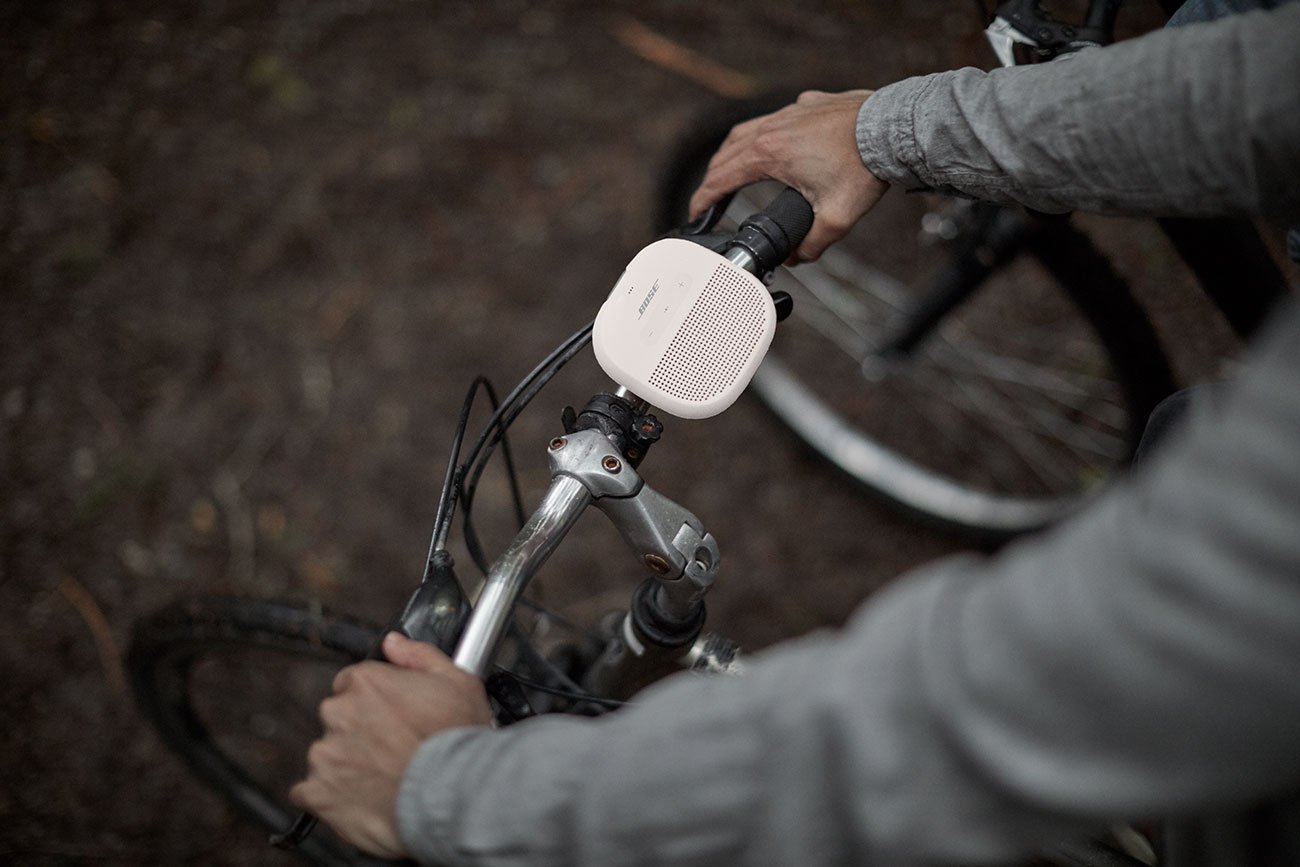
{"points": [[320, 754], [334, 712], [358, 676], [768, 143], [342, 679], [300, 795]]}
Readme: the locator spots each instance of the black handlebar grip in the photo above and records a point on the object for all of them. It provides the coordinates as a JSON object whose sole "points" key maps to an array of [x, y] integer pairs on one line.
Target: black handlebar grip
{"points": [[794, 215], [771, 235]]}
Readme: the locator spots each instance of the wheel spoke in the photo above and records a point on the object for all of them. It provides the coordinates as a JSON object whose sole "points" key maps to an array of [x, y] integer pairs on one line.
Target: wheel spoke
{"points": [[1046, 388], [1033, 453], [1010, 416]]}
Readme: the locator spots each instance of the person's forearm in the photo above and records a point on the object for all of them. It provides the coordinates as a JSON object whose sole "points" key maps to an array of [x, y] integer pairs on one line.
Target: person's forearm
{"points": [[1198, 120], [1139, 660]]}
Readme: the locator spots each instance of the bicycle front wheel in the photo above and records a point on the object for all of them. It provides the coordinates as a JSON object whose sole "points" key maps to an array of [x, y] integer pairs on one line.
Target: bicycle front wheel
{"points": [[232, 685], [996, 399], [984, 369]]}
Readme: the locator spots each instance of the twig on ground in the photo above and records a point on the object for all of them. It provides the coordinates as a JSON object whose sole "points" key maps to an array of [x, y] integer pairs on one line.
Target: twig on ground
{"points": [[239, 524], [110, 657], [667, 54]]}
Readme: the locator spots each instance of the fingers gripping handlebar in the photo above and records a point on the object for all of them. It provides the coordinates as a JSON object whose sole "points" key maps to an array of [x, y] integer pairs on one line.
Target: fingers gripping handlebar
{"points": [[775, 232], [767, 238]]}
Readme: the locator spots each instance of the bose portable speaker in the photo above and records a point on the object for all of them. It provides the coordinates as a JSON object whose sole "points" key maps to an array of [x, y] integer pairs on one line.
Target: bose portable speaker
{"points": [[684, 329]]}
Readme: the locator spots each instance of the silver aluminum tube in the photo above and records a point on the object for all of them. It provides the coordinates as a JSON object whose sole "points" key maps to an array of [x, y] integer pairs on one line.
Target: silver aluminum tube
{"points": [[741, 257], [559, 509], [638, 405]]}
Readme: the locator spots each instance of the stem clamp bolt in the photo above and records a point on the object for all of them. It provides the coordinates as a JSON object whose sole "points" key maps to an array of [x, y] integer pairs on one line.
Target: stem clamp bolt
{"points": [[611, 464], [657, 564], [558, 443]]}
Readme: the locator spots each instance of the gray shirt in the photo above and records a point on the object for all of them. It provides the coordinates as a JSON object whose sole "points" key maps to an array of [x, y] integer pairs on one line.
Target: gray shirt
{"points": [[1196, 121], [1142, 660]]}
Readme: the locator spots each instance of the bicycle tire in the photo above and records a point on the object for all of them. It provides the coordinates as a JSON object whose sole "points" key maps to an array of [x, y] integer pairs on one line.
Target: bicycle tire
{"points": [[1112, 329], [167, 646], [170, 664], [1233, 266]]}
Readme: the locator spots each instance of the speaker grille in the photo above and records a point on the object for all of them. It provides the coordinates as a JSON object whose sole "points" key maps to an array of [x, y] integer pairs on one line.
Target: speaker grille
{"points": [[715, 341]]}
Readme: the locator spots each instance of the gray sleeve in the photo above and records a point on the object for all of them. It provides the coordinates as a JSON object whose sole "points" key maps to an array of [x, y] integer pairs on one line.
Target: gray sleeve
{"points": [[1195, 120], [1140, 660]]}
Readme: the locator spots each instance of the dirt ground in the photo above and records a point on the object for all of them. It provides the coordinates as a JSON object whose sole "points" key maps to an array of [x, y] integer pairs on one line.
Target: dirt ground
{"points": [[252, 254]]}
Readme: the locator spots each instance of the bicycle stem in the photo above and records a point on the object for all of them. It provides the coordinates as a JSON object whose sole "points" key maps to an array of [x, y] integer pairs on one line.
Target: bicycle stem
{"points": [[670, 541]]}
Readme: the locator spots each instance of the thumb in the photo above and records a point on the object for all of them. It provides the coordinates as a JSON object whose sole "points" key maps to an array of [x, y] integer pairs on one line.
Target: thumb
{"points": [[415, 655]]}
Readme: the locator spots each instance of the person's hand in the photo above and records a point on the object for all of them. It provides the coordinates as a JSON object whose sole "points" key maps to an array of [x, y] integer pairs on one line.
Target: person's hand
{"points": [[374, 722], [811, 146]]}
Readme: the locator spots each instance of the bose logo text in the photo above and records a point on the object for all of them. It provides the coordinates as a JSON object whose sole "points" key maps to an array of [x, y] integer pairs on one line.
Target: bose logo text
{"points": [[648, 298]]}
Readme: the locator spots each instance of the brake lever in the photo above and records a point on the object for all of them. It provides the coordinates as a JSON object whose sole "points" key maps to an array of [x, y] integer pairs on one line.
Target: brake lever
{"points": [[435, 613], [704, 223], [700, 230], [718, 242]]}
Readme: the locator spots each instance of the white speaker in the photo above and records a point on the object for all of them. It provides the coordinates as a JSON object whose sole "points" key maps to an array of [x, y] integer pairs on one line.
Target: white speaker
{"points": [[684, 329]]}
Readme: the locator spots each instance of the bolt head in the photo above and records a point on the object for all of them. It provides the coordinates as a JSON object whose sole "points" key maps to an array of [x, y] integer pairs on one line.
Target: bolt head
{"points": [[558, 443], [657, 564], [611, 464]]}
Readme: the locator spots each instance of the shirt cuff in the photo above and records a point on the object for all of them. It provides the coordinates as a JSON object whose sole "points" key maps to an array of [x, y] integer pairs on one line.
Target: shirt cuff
{"points": [[426, 802], [886, 132]]}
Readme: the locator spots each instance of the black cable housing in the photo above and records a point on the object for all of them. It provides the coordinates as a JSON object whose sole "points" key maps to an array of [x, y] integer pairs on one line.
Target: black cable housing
{"points": [[494, 433]]}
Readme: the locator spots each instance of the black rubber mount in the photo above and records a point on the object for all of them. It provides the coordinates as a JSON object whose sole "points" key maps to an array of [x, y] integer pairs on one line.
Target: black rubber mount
{"points": [[658, 626], [630, 432]]}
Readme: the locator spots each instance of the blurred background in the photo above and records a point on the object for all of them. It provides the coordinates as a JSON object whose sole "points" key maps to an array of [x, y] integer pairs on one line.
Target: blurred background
{"points": [[251, 256]]}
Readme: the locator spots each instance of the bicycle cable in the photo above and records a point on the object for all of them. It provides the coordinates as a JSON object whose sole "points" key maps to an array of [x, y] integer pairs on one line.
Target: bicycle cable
{"points": [[461, 483], [561, 692], [447, 498], [494, 433]]}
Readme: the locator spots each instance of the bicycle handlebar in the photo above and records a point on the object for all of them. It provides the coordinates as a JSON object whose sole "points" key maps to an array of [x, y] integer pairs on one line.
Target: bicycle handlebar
{"points": [[793, 216], [775, 232], [768, 238], [764, 240], [564, 502]]}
